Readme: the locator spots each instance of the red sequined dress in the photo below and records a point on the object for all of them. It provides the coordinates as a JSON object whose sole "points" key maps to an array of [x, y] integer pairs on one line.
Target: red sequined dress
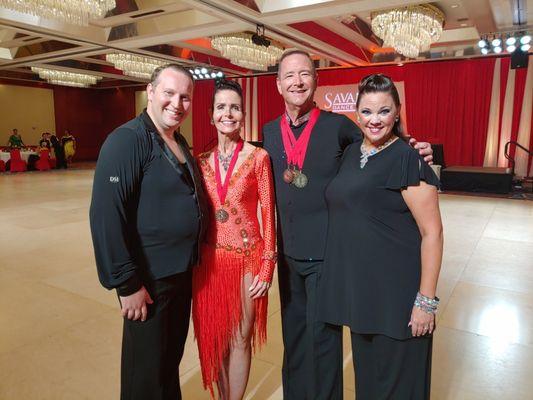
{"points": [[232, 249]]}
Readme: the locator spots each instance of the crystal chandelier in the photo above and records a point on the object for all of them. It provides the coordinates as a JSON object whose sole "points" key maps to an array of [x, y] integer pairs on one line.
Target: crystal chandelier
{"points": [[66, 78], [134, 65], [241, 50], [410, 29], [77, 12]]}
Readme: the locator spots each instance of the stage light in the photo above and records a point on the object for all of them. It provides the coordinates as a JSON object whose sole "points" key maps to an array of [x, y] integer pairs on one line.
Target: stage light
{"points": [[482, 43], [203, 70], [484, 50], [496, 42], [194, 76], [525, 39], [510, 41], [213, 75], [191, 71], [220, 74], [497, 49], [197, 71], [511, 48], [525, 47]]}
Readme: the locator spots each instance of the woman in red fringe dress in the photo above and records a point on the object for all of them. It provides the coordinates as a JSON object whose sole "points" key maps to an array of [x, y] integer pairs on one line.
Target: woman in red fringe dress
{"points": [[230, 286]]}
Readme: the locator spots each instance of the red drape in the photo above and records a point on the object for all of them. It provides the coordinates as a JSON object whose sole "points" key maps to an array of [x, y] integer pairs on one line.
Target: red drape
{"points": [[204, 133], [447, 102]]}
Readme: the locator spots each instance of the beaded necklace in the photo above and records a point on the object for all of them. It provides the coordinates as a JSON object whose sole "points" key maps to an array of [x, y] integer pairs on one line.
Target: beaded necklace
{"points": [[366, 154]]}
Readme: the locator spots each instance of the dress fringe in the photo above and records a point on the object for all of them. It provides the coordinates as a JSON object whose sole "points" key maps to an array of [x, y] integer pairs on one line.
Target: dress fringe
{"points": [[217, 307]]}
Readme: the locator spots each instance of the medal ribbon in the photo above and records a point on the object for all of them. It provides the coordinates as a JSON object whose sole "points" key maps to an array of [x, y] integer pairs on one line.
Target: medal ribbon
{"points": [[297, 149], [222, 189]]}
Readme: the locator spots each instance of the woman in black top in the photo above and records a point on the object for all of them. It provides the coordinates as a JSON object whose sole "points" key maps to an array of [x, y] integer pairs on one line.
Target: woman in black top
{"points": [[384, 251]]}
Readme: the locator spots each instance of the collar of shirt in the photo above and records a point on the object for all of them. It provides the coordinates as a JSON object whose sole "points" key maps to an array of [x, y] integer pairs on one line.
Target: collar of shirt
{"points": [[299, 121]]}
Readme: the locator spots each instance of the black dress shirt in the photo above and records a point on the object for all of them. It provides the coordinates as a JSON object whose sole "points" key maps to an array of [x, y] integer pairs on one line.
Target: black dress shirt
{"points": [[147, 211], [302, 213]]}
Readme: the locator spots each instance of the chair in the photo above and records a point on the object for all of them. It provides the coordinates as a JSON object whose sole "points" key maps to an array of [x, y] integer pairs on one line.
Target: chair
{"points": [[2, 166], [43, 164], [16, 161]]}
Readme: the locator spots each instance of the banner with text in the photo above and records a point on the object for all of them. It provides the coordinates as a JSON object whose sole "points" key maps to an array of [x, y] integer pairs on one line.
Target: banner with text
{"points": [[341, 99]]}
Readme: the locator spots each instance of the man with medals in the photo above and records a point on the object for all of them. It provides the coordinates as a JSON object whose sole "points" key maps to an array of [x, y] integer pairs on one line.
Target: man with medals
{"points": [[305, 145]]}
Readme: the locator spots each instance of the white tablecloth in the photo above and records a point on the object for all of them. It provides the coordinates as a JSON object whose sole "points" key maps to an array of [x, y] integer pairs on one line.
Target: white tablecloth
{"points": [[23, 154]]}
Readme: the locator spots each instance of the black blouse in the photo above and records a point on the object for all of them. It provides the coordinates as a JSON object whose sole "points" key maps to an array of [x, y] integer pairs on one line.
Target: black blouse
{"points": [[372, 265]]}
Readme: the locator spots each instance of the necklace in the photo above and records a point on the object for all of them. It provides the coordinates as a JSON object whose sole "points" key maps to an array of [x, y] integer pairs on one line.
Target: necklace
{"points": [[366, 154], [225, 160]]}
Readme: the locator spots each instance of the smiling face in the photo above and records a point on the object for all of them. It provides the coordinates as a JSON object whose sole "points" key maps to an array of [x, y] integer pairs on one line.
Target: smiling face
{"points": [[227, 112], [296, 82], [169, 100], [377, 114]]}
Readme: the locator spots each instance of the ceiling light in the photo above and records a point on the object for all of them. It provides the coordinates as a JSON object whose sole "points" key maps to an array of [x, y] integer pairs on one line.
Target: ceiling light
{"points": [[66, 78], [510, 41], [496, 42], [76, 12], [134, 65], [241, 50], [410, 29], [497, 49], [482, 43], [525, 47], [484, 50], [220, 74], [511, 48], [525, 39]]}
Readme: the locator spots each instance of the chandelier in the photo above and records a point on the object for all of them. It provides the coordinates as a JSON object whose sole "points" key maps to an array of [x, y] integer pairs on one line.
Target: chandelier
{"points": [[241, 49], [66, 78], [77, 12], [134, 65], [410, 29]]}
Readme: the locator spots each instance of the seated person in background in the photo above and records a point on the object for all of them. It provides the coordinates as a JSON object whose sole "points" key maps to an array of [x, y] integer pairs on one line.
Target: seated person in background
{"points": [[45, 143], [15, 140]]}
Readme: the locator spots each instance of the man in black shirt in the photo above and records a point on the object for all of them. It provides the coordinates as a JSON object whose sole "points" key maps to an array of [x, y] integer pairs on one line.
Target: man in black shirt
{"points": [[147, 217], [312, 362]]}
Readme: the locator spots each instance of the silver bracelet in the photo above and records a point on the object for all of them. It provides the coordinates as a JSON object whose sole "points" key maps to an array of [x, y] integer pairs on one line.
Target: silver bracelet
{"points": [[427, 304]]}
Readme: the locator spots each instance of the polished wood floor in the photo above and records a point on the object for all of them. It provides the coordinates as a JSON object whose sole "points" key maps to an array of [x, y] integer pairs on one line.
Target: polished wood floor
{"points": [[60, 331]]}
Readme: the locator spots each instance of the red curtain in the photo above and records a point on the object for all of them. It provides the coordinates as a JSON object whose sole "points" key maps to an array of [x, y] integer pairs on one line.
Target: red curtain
{"points": [[204, 133], [447, 102]]}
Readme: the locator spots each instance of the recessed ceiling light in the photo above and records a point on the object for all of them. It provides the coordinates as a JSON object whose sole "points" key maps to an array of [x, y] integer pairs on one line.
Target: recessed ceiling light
{"points": [[464, 24], [455, 5]]}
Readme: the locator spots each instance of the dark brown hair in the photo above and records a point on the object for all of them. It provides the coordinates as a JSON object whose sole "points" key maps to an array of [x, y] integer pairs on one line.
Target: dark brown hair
{"points": [[379, 83], [225, 84]]}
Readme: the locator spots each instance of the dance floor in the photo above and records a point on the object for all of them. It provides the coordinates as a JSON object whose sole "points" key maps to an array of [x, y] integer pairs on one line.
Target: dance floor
{"points": [[60, 331]]}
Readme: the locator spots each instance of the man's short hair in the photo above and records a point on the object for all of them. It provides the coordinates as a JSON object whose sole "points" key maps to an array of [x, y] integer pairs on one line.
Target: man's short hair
{"points": [[175, 67], [290, 52]]}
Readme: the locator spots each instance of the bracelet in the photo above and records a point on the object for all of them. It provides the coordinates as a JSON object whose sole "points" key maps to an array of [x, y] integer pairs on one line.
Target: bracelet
{"points": [[427, 304]]}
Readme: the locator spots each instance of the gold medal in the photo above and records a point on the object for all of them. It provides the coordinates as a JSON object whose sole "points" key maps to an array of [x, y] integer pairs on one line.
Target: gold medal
{"points": [[221, 215], [300, 180]]}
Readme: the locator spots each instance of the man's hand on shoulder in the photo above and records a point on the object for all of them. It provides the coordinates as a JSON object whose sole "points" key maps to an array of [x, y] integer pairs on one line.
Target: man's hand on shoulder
{"points": [[424, 148], [134, 306]]}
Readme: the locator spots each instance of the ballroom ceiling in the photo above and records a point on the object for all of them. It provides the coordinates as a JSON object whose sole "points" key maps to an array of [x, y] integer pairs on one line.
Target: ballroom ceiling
{"points": [[180, 30]]}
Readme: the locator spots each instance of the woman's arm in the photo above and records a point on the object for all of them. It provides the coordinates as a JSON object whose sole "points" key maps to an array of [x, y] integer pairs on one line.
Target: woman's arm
{"points": [[423, 203], [265, 192]]}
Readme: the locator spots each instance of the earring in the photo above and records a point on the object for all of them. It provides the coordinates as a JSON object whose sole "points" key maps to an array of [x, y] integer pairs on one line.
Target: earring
{"points": [[212, 121], [397, 119]]}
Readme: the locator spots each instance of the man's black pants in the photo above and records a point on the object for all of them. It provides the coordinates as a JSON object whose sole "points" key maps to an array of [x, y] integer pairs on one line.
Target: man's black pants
{"points": [[152, 350], [312, 359]]}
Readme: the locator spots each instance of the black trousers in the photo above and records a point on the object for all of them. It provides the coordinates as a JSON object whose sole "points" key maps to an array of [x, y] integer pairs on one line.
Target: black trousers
{"points": [[152, 350], [390, 369], [312, 360]]}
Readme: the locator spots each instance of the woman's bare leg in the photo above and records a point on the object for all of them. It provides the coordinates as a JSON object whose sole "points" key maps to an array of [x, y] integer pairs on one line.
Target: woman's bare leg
{"points": [[236, 369]]}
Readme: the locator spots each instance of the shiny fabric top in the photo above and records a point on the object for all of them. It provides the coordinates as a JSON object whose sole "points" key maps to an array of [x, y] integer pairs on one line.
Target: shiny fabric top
{"points": [[250, 184]]}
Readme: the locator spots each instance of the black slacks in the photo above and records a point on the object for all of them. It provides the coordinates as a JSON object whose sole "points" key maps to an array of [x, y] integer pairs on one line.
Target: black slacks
{"points": [[312, 359], [390, 369], [152, 350]]}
